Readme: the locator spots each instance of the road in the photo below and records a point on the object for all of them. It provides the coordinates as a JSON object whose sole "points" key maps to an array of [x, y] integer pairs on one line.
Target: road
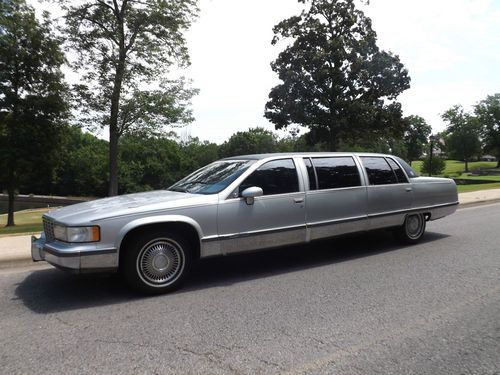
{"points": [[357, 305]]}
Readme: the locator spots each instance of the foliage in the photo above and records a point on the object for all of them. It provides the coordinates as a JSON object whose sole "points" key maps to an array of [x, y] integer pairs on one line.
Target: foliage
{"points": [[488, 114], [83, 169], [436, 166], [463, 134], [335, 79], [32, 98], [415, 137], [254, 141], [125, 48]]}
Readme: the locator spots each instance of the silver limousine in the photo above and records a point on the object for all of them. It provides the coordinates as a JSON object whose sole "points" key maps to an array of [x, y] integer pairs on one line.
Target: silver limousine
{"points": [[239, 204]]}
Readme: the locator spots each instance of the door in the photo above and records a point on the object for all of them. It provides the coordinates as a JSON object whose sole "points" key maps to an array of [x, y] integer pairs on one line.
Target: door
{"points": [[389, 194], [275, 219], [336, 200]]}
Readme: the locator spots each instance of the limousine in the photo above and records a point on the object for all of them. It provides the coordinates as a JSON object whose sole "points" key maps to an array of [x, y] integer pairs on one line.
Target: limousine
{"points": [[239, 204]]}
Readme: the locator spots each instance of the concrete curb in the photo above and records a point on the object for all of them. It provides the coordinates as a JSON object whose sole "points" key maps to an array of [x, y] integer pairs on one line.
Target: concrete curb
{"points": [[15, 250]]}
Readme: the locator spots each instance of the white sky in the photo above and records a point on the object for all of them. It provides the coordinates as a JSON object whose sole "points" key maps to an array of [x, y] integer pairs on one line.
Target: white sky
{"points": [[450, 47]]}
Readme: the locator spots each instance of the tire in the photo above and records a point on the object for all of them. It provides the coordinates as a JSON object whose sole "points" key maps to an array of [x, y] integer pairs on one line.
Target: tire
{"points": [[412, 230], [156, 262]]}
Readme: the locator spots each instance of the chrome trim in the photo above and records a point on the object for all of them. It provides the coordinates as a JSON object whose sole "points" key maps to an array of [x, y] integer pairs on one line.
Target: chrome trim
{"points": [[252, 233], [410, 210], [337, 221]]}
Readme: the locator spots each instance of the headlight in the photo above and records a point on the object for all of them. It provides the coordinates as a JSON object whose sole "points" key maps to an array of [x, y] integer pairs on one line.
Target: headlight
{"points": [[77, 234]]}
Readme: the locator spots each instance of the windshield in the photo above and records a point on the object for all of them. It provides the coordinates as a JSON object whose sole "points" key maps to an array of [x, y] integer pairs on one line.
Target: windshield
{"points": [[212, 178]]}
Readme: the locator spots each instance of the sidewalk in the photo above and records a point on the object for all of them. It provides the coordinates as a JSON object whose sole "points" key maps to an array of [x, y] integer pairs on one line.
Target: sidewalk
{"points": [[16, 250]]}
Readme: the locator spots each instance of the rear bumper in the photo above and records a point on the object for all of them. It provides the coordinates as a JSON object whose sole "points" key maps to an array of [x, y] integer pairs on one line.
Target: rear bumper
{"points": [[74, 257]]}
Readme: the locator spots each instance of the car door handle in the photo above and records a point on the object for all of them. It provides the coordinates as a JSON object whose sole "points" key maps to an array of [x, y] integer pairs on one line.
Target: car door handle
{"points": [[408, 189], [298, 200]]}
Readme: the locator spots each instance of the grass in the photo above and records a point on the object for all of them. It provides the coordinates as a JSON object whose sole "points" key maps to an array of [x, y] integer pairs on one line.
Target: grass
{"points": [[27, 221], [455, 168], [477, 187]]}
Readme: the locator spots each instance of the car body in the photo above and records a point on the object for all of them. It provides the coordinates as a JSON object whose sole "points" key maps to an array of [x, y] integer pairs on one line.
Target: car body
{"points": [[240, 204]]}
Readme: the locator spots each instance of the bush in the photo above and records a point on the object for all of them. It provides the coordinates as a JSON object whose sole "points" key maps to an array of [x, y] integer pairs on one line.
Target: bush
{"points": [[438, 166]]}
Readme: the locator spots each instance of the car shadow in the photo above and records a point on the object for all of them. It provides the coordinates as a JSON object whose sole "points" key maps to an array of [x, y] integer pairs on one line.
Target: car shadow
{"points": [[51, 290]]}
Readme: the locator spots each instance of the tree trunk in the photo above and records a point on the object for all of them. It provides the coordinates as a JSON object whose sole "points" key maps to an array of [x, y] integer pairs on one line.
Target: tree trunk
{"points": [[114, 132], [466, 165], [333, 140], [10, 210]]}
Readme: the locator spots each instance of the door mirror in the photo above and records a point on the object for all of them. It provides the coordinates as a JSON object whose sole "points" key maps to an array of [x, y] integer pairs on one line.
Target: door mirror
{"points": [[250, 193]]}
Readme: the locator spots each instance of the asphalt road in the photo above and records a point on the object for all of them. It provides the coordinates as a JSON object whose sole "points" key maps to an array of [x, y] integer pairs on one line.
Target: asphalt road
{"points": [[357, 305]]}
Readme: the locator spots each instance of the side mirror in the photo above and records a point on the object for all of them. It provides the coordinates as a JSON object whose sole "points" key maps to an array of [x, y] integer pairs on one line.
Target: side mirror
{"points": [[250, 193]]}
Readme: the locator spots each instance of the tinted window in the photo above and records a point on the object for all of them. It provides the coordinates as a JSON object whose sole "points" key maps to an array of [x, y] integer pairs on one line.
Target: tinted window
{"points": [[336, 172], [398, 171], [379, 172], [274, 177], [409, 170], [311, 174]]}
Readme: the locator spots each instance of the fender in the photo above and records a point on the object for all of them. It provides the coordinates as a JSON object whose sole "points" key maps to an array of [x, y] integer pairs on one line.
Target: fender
{"points": [[161, 219]]}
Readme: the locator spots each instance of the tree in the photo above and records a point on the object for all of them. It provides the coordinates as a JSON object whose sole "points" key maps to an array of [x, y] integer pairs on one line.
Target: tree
{"points": [[32, 98], [415, 137], [334, 76], [253, 141], [463, 140], [488, 113], [125, 48], [434, 166]]}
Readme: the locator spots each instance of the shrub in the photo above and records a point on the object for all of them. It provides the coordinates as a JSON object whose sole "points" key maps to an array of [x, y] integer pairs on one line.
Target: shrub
{"points": [[438, 166]]}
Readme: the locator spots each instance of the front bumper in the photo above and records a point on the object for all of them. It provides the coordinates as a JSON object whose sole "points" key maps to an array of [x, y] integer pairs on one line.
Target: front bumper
{"points": [[74, 257]]}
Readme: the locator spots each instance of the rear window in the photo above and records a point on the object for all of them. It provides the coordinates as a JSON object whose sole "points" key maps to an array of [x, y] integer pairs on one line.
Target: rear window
{"points": [[409, 170], [379, 171]]}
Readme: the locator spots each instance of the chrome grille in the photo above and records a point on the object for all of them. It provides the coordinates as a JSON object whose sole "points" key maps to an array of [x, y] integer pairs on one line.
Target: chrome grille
{"points": [[48, 229]]}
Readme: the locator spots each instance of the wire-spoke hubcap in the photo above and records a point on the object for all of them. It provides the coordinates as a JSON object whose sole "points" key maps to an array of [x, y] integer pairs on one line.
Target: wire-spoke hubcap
{"points": [[414, 226], [160, 262]]}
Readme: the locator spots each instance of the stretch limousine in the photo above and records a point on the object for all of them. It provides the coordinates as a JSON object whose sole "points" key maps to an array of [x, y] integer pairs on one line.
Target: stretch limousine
{"points": [[239, 204]]}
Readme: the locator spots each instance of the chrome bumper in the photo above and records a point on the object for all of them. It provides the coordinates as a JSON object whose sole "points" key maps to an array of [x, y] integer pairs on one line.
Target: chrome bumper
{"points": [[74, 257]]}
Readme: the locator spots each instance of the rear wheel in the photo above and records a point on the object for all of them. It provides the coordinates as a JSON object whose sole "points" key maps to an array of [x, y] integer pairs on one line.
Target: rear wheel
{"points": [[157, 262], [413, 229]]}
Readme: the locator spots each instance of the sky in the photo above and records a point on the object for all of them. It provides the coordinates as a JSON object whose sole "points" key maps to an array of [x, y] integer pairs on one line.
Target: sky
{"points": [[451, 49]]}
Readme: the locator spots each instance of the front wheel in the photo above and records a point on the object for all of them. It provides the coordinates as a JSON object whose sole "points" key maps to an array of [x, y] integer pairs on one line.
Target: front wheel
{"points": [[156, 262], [412, 230]]}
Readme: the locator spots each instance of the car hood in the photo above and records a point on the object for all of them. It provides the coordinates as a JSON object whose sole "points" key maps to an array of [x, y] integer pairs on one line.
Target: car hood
{"points": [[125, 205]]}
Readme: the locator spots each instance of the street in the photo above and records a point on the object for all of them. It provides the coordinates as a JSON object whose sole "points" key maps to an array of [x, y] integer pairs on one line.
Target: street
{"points": [[361, 304]]}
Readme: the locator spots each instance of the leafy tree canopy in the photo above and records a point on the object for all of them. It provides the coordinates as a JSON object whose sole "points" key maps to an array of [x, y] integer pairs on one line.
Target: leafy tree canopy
{"points": [[488, 113], [32, 98], [254, 141], [463, 134], [415, 137], [125, 49], [334, 76]]}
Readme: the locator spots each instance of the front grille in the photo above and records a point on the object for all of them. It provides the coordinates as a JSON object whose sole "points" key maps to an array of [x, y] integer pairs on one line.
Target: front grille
{"points": [[48, 229]]}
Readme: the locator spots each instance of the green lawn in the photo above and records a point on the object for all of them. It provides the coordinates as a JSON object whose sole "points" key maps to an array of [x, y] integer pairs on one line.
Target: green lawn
{"points": [[27, 221], [456, 169]]}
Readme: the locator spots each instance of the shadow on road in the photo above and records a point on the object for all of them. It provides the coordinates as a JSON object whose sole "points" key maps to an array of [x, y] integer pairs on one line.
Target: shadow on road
{"points": [[51, 290]]}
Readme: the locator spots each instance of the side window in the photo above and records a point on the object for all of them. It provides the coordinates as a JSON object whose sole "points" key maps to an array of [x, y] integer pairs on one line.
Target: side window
{"points": [[311, 174], [398, 171], [274, 177], [378, 170], [336, 172]]}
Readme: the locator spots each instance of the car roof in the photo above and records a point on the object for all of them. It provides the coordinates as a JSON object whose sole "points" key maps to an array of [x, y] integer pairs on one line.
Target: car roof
{"points": [[300, 154]]}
